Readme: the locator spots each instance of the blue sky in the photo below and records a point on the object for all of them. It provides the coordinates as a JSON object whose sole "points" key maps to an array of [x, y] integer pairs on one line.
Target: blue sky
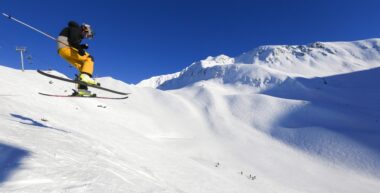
{"points": [[142, 38]]}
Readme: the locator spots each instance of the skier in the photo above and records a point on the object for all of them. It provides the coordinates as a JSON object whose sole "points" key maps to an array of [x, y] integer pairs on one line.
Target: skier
{"points": [[71, 49]]}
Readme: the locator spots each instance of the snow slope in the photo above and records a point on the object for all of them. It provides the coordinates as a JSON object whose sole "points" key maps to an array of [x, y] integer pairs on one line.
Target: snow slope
{"points": [[224, 124]]}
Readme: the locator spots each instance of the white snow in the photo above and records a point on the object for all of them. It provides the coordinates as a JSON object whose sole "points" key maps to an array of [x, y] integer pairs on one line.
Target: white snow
{"points": [[155, 81], [268, 66], [275, 119]]}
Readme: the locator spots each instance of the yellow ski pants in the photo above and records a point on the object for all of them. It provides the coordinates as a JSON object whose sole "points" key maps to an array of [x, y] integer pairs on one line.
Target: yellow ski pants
{"points": [[84, 64]]}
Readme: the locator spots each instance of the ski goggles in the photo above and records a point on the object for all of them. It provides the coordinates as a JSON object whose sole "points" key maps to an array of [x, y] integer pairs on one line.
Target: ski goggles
{"points": [[87, 31]]}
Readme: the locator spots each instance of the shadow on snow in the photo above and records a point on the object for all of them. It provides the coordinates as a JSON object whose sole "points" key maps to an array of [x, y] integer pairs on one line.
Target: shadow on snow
{"points": [[10, 160], [29, 121]]}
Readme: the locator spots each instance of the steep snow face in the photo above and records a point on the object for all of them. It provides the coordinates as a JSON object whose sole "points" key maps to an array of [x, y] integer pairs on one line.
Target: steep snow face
{"points": [[268, 66], [224, 70], [255, 76], [316, 59], [209, 62]]}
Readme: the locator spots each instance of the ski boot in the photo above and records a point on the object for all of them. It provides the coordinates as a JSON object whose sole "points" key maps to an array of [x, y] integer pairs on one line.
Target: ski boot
{"points": [[83, 93], [87, 79]]}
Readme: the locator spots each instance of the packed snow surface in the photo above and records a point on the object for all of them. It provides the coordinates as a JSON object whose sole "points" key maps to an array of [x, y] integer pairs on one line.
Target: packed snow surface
{"points": [[275, 119]]}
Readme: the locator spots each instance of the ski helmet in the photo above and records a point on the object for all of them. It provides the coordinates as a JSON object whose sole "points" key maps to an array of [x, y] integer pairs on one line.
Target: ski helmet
{"points": [[87, 30]]}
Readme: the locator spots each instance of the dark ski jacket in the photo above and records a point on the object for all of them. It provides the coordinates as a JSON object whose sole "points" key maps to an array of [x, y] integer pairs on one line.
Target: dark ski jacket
{"points": [[71, 35]]}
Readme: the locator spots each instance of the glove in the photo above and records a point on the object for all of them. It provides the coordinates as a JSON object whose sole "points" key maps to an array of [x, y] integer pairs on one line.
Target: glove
{"points": [[92, 58], [81, 52], [84, 46]]}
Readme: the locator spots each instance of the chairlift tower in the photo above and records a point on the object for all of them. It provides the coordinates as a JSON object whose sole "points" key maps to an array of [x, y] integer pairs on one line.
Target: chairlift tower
{"points": [[21, 50]]}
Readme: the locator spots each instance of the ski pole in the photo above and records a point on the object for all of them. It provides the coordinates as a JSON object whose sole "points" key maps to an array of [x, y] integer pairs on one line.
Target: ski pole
{"points": [[37, 30]]}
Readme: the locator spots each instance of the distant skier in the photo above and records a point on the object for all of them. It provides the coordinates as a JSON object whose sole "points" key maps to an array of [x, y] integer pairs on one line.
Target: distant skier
{"points": [[71, 49]]}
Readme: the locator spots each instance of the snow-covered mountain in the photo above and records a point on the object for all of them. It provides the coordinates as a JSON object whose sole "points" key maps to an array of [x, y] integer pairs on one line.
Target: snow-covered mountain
{"points": [[275, 119], [268, 66]]}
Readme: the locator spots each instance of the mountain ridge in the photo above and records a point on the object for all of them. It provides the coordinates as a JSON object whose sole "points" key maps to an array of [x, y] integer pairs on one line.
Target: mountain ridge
{"points": [[272, 63]]}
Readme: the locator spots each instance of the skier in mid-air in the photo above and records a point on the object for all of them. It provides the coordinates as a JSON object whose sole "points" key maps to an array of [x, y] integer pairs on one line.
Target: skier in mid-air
{"points": [[71, 49]]}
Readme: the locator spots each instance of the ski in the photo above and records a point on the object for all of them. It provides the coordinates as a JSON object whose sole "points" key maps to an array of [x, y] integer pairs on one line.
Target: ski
{"points": [[76, 96], [81, 83]]}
